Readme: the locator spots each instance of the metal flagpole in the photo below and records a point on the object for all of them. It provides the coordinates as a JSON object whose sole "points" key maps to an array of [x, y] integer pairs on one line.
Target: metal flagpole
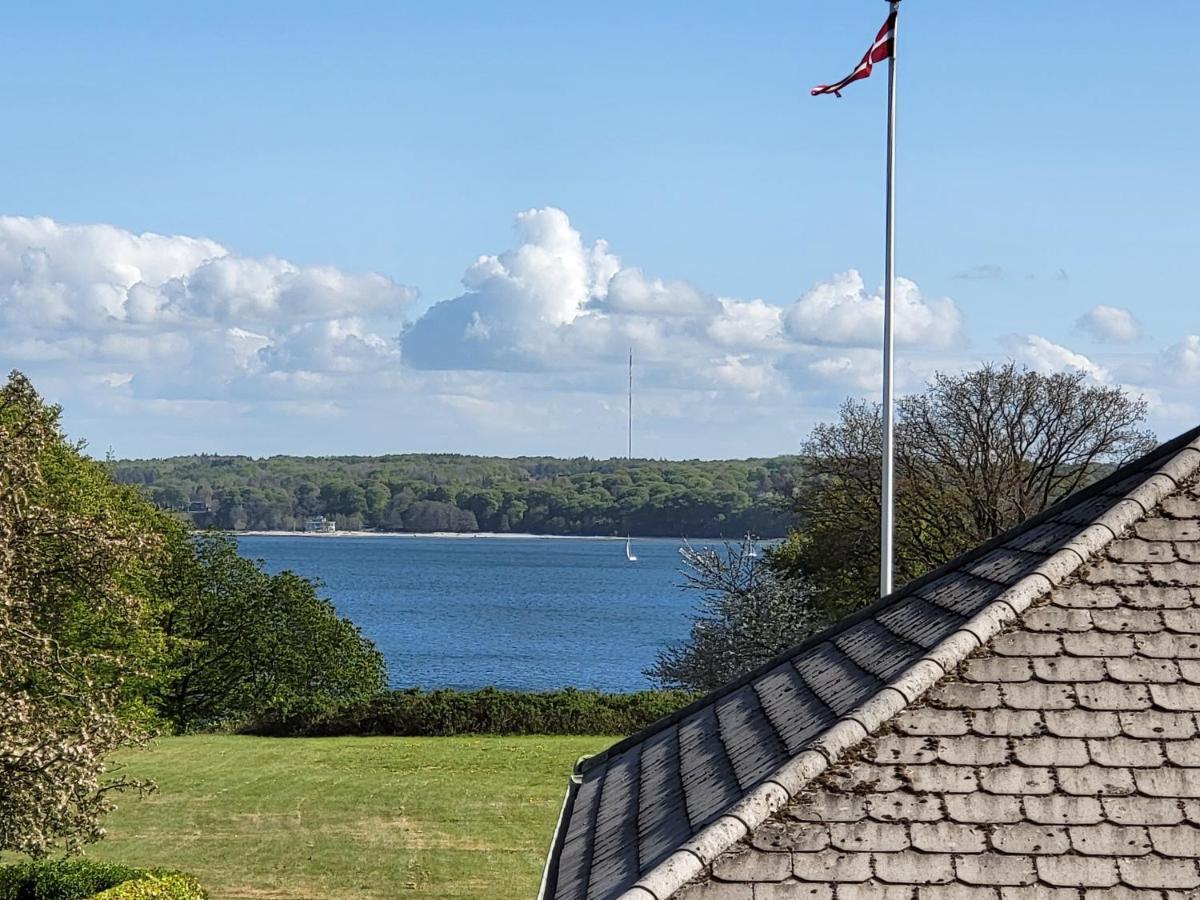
{"points": [[887, 500]]}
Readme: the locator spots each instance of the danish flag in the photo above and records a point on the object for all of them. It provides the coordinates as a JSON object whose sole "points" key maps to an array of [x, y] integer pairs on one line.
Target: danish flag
{"points": [[883, 48]]}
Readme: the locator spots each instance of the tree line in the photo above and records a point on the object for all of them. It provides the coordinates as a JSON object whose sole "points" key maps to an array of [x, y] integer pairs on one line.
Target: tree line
{"points": [[444, 492]]}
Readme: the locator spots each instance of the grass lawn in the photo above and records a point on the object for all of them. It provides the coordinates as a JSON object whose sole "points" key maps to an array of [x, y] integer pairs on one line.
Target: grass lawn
{"points": [[348, 817]]}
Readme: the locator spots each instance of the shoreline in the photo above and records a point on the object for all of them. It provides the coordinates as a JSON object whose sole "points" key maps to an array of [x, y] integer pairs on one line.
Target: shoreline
{"points": [[458, 535]]}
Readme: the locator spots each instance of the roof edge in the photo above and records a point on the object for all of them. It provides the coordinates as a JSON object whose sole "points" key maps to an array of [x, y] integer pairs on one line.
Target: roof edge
{"points": [[772, 794], [550, 869], [1166, 450]]}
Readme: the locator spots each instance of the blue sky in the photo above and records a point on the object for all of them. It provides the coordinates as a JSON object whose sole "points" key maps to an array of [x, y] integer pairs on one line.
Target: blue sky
{"points": [[351, 165]]}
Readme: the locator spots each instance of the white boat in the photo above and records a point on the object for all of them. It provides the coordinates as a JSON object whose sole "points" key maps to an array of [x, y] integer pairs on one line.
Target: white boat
{"points": [[629, 554]]}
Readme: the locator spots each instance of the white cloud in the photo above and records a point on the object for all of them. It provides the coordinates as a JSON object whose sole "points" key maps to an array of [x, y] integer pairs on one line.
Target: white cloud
{"points": [[1043, 355], [1181, 362], [181, 315], [841, 312], [1110, 324]]}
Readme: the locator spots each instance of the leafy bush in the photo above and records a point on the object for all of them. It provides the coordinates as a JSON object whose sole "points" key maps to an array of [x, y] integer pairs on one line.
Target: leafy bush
{"points": [[415, 713], [154, 887], [77, 879]]}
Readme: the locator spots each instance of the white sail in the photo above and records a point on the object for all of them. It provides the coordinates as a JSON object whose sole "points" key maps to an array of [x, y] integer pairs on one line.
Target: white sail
{"points": [[629, 554]]}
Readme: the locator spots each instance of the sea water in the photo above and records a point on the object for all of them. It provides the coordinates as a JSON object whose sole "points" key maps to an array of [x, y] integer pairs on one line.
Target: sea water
{"points": [[524, 613]]}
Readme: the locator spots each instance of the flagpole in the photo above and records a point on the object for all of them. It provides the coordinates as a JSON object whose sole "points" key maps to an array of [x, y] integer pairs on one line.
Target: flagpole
{"points": [[887, 500]]}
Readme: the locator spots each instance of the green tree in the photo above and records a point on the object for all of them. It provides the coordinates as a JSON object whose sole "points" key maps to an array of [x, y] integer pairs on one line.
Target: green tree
{"points": [[976, 454], [73, 616], [245, 646]]}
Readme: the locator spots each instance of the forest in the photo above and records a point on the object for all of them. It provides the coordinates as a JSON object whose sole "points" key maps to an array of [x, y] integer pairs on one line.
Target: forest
{"points": [[448, 492]]}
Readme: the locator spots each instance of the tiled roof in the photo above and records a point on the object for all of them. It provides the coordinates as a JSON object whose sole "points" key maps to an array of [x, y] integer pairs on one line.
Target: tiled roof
{"points": [[738, 790]]}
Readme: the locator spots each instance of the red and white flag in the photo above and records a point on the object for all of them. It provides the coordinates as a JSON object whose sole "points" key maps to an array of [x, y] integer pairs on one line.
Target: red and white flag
{"points": [[883, 48]]}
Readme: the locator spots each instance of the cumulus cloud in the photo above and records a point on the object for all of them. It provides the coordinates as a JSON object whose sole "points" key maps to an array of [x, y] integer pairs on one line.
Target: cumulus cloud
{"points": [[555, 303], [177, 308], [841, 311], [1110, 324], [1043, 355]]}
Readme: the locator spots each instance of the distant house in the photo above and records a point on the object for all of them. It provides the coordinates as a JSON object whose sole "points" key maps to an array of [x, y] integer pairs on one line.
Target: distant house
{"points": [[198, 506], [1021, 723], [320, 525]]}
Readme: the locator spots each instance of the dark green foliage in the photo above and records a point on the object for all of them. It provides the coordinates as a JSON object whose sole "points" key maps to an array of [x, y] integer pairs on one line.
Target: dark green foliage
{"points": [[245, 646], [414, 713], [426, 492], [76, 879]]}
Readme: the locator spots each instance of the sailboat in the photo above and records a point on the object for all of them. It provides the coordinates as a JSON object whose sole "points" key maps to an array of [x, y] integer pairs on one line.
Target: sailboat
{"points": [[750, 546], [629, 554]]}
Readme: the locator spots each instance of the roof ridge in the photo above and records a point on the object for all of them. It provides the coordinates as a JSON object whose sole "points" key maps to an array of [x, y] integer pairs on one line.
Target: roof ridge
{"points": [[1182, 460], [1162, 451]]}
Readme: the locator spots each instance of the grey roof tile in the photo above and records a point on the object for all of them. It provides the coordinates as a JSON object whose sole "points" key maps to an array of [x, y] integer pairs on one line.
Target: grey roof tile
{"points": [[1186, 621], [1176, 840], [960, 695], [1059, 809], [1176, 697], [1094, 643], [1143, 670], [903, 806], [1125, 752], [1139, 551], [1106, 839], [942, 779], [982, 809], [875, 649], [1082, 723], [1027, 643], [751, 865], [1145, 596], [1138, 810], [1058, 619], [1167, 782], [1107, 695], [1086, 596], [867, 835], [994, 869], [947, 837], [715, 890], [835, 678], [1105, 572], [785, 834], [1077, 871], [1160, 529], [1069, 669], [1050, 751], [1128, 621], [1168, 645], [832, 866], [961, 594], [1155, 872], [973, 751], [997, 668], [1152, 723], [920, 622], [1006, 722], [1018, 780], [793, 890], [902, 749], [662, 825], [913, 867], [923, 721], [1026, 838], [1183, 753], [1038, 695], [615, 848], [824, 806], [1181, 506], [1179, 573], [1095, 781], [1189, 669]]}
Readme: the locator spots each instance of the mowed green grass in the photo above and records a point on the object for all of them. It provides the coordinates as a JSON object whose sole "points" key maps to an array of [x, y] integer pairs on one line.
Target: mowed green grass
{"points": [[348, 817]]}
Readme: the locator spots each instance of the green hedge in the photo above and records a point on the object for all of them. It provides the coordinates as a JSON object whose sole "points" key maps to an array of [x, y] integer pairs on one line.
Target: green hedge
{"points": [[80, 879], [444, 713]]}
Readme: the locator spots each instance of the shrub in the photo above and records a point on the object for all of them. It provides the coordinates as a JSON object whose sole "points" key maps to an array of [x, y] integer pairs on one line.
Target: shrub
{"points": [[155, 887], [415, 713], [77, 879]]}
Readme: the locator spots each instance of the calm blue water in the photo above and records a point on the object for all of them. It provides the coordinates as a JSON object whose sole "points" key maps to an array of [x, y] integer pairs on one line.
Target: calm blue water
{"points": [[511, 612]]}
